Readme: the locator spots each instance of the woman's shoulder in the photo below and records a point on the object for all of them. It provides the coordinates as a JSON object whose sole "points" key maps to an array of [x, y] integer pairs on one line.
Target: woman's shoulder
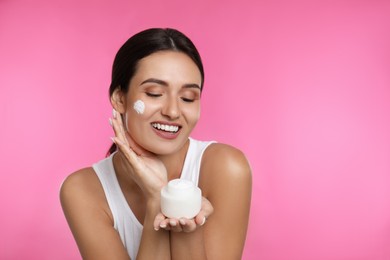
{"points": [[224, 163], [225, 156], [82, 187], [81, 179]]}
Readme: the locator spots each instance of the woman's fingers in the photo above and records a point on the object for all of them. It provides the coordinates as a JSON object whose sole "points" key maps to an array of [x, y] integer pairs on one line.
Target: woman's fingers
{"points": [[120, 139], [188, 225], [161, 222], [165, 224], [118, 126], [205, 212], [122, 133], [175, 225], [200, 219], [127, 152], [184, 224], [115, 122], [158, 220]]}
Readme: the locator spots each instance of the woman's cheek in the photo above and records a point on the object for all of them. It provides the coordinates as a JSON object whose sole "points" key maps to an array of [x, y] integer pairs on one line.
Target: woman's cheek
{"points": [[137, 110], [151, 107], [139, 106], [142, 109], [193, 112]]}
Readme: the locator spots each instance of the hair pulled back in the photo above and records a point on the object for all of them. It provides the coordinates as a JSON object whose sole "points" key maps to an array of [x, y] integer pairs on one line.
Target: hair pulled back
{"points": [[142, 45]]}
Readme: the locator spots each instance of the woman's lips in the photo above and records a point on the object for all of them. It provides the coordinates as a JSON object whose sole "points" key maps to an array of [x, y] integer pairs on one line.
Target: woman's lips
{"points": [[166, 130]]}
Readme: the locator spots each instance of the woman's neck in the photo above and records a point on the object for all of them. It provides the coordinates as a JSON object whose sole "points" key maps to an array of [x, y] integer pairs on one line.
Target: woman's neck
{"points": [[174, 162]]}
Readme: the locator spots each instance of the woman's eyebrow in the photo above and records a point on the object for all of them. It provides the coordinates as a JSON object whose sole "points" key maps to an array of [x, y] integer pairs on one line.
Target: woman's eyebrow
{"points": [[153, 80], [193, 85], [164, 83]]}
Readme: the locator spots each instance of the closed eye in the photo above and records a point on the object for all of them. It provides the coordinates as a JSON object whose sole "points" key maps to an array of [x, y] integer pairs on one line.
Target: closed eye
{"points": [[153, 94], [188, 100]]}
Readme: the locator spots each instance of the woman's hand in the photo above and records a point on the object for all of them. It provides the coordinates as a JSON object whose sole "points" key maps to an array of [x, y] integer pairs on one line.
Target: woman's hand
{"points": [[184, 224], [145, 169]]}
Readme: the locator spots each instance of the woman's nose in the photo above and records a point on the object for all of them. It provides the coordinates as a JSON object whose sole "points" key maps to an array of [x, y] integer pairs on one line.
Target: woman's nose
{"points": [[171, 108]]}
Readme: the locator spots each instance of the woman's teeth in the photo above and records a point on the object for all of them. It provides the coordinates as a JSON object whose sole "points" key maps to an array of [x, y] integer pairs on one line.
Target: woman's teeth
{"points": [[167, 128]]}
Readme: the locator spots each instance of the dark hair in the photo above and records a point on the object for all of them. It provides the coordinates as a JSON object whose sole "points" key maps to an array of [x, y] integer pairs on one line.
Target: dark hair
{"points": [[144, 44]]}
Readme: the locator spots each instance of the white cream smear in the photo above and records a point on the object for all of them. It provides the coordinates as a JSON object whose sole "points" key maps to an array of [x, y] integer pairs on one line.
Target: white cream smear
{"points": [[139, 107]]}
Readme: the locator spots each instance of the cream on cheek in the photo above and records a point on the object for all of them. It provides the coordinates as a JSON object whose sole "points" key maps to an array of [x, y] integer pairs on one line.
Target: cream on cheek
{"points": [[139, 107]]}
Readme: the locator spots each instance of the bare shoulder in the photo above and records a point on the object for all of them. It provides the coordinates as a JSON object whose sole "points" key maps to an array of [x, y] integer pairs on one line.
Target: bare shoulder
{"points": [[226, 181], [81, 181], [82, 188], [89, 217], [225, 157], [224, 164]]}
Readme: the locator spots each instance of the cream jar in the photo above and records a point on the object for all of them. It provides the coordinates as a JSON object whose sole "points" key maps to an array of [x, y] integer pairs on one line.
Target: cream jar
{"points": [[181, 199]]}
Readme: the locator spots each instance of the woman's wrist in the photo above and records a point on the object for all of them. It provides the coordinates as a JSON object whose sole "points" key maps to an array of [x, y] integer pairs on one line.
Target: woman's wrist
{"points": [[153, 202]]}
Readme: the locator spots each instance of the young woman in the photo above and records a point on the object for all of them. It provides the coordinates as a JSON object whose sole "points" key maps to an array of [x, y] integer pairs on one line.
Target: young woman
{"points": [[113, 208]]}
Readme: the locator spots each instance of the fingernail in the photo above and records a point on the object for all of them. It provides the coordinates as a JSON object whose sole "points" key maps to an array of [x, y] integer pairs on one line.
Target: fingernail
{"points": [[112, 139], [114, 113], [172, 223], [204, 221], [110, 121], [182, 221], [156, 228], [163, 226]]}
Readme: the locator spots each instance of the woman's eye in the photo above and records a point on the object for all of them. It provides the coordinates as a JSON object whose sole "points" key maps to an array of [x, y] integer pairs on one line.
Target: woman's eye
{"points": [[187, 100], [153, 94]]}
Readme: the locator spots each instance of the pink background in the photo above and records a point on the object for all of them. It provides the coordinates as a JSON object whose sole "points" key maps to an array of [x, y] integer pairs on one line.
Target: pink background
{"points": [[303, 88]]}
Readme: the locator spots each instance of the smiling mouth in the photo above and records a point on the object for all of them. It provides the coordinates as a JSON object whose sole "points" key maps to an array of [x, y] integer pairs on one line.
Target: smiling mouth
{"points": [[166, 128]]}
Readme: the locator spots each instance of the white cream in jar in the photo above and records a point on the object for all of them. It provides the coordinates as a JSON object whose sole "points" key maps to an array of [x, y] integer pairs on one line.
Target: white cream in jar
{"points": [[181, 199]]}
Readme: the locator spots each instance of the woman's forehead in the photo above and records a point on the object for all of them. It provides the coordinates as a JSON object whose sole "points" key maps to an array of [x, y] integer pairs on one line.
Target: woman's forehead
{"points": [[169, 66]]}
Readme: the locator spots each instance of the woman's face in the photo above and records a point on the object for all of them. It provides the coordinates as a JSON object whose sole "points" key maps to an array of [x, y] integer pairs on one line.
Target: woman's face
{"points": [[168, 83]]}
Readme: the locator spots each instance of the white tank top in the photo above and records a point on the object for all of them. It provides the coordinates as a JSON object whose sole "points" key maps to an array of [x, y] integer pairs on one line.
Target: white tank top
{"points": [[125, 222]]}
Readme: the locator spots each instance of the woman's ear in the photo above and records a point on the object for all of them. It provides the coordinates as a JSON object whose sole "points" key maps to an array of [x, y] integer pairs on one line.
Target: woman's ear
{"points": [[118, 100]]}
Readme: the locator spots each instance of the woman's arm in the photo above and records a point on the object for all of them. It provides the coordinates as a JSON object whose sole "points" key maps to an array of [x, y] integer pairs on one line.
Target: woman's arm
{"points": [[226, 182], [89, 218], [91, 222], [154, 244], [88, 214], [149, 173]]}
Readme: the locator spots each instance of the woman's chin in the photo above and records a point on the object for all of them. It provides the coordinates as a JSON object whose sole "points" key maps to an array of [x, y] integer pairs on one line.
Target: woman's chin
{"points": [[165, 148], [162, 150]]}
